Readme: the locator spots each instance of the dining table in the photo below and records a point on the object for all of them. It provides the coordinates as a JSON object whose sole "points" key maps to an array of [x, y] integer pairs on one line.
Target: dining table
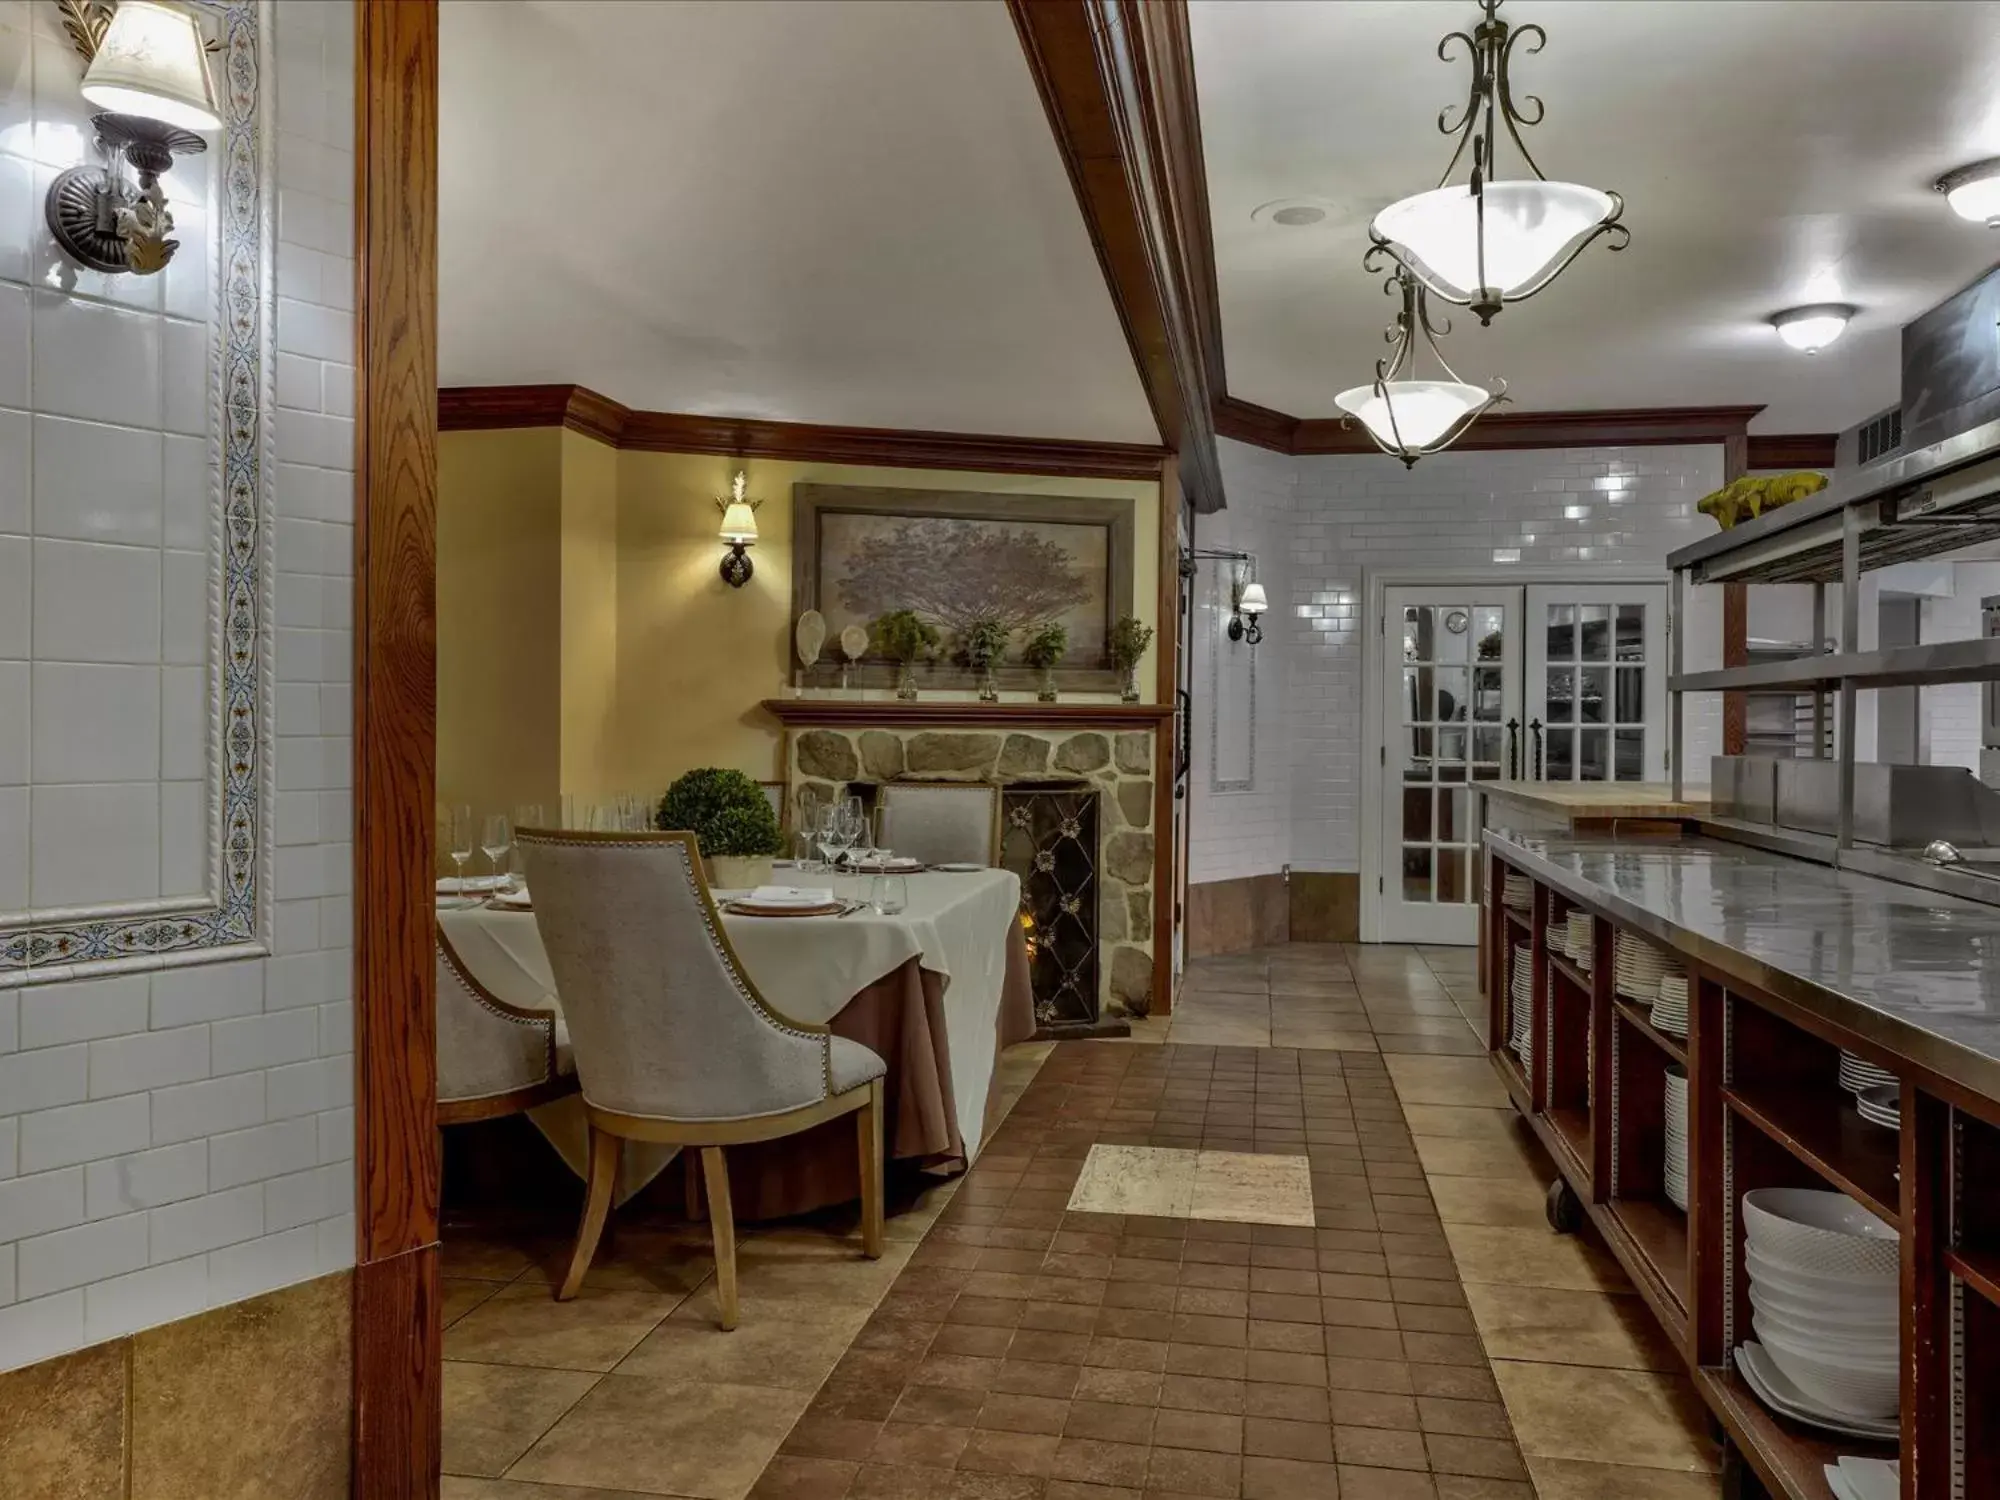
{"points": [[938, 990]]}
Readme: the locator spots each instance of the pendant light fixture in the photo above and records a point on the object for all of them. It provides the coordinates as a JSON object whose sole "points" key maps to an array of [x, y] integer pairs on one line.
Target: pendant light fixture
{"points": [[1492, 240], [1407, 417]]}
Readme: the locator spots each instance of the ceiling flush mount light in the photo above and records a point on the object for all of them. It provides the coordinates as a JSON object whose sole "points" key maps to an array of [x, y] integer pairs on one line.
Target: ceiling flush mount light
{"points": [[1410, 418], [739, 531], [147, 66], [1811, 329], [1491, 241], [1974, 192]]}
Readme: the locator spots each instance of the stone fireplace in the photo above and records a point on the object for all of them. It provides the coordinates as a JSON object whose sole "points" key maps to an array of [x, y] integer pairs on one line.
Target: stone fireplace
{"points": [[1078, 795]]}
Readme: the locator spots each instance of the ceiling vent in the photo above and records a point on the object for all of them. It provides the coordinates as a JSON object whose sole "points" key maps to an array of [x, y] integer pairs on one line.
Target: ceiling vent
{"points": [[1879, 436]]}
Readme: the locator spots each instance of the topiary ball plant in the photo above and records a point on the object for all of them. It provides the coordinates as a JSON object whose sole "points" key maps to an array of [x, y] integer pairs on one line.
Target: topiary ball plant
{"points": [[726, 811]]}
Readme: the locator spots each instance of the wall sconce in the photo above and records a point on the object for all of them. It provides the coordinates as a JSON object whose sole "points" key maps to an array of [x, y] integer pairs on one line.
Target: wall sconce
{"points": [[147, 65], [739, 530], [1247, 600]]}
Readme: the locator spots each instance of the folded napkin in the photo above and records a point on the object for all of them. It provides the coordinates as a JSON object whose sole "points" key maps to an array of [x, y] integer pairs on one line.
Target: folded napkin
{"points": [[791, 895]]}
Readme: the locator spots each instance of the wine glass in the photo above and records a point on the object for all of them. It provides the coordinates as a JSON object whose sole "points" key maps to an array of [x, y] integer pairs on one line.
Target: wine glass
{"points": [[458, 823], [829, 832], [495, 839], [851, 824]]}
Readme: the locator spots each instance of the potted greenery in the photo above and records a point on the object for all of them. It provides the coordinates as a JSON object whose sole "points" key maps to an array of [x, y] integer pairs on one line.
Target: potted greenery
{"points": [[981, 644], [731, 819], [1045, 648], [906, 638], [1129, 640]]}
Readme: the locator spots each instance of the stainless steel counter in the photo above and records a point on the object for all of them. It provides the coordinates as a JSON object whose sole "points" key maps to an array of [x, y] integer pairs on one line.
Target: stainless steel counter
{"points": [[1914, 971]]}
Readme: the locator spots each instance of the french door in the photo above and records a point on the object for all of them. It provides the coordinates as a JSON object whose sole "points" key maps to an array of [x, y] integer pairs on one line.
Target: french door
{"points": [[1549, 682], [1596, 687], [1453, 677]]}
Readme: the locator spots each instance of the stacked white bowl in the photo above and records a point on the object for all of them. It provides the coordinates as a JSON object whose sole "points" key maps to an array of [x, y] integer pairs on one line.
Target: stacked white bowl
{"points": [[1638, 967], [1676, 1172], [1823, 1283], [1521, 1006]]}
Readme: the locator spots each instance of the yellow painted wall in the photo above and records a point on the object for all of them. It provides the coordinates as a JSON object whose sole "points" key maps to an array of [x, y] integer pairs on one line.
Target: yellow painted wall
{"points": [[499, 603], [589, 687], [586, 643], [695, 656]]}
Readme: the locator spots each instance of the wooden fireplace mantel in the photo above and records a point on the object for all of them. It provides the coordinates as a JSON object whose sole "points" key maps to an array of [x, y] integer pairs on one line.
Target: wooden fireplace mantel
{"points": [[849, 713]]}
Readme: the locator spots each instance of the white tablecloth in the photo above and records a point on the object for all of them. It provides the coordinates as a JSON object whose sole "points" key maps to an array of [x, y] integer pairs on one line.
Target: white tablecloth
{"points": [[956, 925]]}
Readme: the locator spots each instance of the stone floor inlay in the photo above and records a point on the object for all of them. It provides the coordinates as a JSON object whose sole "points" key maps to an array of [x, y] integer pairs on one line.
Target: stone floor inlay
{"points": [[1238, 1187]]}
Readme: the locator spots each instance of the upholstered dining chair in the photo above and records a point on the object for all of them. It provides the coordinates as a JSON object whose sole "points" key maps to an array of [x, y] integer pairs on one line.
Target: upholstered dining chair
{"points": [[673, 1041], [493, 1058], [941, 824]]}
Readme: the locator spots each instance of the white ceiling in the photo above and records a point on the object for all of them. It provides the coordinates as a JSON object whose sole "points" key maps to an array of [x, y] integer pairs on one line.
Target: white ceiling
{"points": [[1770, 153], [846, 213]]}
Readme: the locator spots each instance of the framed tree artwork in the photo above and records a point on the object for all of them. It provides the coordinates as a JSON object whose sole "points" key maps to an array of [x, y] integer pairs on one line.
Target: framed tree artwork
{"points": [[955, 558]]}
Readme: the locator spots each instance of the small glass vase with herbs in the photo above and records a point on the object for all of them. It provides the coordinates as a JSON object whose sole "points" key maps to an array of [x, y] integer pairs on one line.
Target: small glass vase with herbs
{"points": [[1129, 640], [980, 646], [906, 638], [1045, 648]]}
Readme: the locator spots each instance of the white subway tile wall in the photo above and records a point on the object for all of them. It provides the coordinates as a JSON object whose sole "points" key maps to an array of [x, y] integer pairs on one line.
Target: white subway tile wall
{"points": [[176, 1139], [1328, 519]]}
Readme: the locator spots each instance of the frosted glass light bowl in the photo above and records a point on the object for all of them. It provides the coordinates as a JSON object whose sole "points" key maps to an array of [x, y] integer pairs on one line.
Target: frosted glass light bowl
{"points": [[1529, 225], [1424, 410], [1820, 1233]]}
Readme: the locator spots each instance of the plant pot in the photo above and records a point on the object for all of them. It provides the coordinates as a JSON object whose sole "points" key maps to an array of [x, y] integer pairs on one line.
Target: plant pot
{"points": [[738, 872]]}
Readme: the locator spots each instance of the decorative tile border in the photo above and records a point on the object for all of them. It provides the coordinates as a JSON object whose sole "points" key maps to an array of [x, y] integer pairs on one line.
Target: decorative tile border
{"points": [[57, 946]]}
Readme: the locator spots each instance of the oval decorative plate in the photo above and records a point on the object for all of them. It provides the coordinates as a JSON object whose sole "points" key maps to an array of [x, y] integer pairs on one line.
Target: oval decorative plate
{"points": [[854, 641], [810, 636]]}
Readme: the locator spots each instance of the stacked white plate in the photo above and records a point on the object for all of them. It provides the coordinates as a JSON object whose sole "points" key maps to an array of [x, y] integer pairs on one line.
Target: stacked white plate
{"points": [[1856, 1075], [1823, 1283], [1638, 967], [1576, 939], [1521, 1007], [1676, 1172], [1881, 1106], [1864, 1479], [1517, 891], [1670, 1010]]}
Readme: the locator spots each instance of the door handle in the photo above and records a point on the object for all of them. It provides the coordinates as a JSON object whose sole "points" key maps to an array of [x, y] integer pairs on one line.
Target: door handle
{"points": [[1514, 749], [1535, 729]]}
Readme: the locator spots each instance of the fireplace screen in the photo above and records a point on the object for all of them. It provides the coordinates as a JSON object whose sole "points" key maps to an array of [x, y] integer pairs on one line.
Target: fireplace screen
{"points": [[1049, 839]]}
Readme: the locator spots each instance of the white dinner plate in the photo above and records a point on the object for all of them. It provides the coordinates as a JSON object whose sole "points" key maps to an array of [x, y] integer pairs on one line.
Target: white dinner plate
{"points": [[1776, 1391], [957, 867]]}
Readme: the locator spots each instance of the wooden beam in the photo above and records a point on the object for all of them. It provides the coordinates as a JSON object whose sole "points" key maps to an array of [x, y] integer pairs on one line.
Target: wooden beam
{"points": [[1116, 77], [397, 1343], [1735, 618], [1167, 647], [471, 408], [1792, 450], [1247, 422]]}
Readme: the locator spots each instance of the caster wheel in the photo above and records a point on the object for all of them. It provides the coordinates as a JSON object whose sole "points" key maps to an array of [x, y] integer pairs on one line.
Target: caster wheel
{"points": [[1565, 1209]]}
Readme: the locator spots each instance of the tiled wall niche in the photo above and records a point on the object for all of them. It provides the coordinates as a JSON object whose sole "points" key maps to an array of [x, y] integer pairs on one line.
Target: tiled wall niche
{"points": [[176, 1132]]}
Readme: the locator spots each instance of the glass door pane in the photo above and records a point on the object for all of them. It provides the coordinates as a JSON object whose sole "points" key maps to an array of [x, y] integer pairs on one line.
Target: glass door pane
{"points": [[1596, 681]]}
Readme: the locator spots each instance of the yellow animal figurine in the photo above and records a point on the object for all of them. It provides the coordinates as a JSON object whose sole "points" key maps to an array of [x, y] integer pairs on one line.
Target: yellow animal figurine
{"points": [[1747, 498]]}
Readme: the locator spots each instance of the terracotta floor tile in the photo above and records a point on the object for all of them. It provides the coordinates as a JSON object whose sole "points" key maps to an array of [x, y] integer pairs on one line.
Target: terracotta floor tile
{"points": [[1570, 1327], [1492, 1458], [793, 1342], [1380, 1447], [1565, 1411], [523, 1325], [1096, 1461], [816, 1436], [461, 1294], [1571, 1479], [917, 1445], [792, 1478], [1183, 1471], [1006, 1412], [494, 1413], [1493, 1157], [1447, 1080], [1503, 1256], [700, 1439], [1375, 1409], [1359, 1483], [1211, 1432]]}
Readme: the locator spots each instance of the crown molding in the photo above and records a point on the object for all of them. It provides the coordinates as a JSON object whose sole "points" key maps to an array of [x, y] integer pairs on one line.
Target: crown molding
{"points": [[1618, 428], [476, 408]]}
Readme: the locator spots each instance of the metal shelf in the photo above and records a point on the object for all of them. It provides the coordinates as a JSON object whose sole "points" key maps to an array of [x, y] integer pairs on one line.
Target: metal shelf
{"points": [[1901, 666], [1919, 504]]}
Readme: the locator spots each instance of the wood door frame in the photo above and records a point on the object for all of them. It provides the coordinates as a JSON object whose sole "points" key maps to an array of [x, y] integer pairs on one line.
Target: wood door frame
{"points": [[397, 1335], [1375, 582]]}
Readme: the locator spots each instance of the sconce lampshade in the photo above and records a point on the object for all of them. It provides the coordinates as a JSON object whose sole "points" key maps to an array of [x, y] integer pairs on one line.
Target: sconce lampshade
{"points": [[1253, 601], [151, 63], [739, 523]]}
